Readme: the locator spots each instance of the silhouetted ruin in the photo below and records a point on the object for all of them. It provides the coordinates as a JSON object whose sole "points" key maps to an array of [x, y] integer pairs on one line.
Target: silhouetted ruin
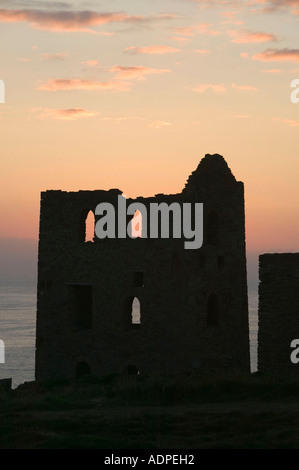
{"points": [[278, 312], [191, 306]]}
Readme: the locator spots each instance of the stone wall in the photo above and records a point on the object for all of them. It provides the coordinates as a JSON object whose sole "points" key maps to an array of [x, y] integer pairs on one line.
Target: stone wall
{"points": [[278, 312], [194, 307]]}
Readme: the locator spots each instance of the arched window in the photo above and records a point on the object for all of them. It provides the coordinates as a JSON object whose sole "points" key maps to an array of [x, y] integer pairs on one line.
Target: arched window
{"points": [[89, 227], [82, 369], [132, 312], [136, 317], [86, 226], [213, 310], [136, 224], [213, 228]]}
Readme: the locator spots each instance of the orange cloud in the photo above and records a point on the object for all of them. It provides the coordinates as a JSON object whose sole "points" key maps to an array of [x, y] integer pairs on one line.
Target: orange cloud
{"points": [[90, 63], [180, 39], [79, 84], [159, 124], [203, 87], [278, 55], [230, 17], [187, 31], [289, 122], [215, 3], [120, 82], [266, 6], [244, 87], [242, 36], [73, 21], [273, 5], [57, 56], [192, 30], [151, 50], [135, 73], [202, 51], [242, 116], [61, 20], [71, 114]]}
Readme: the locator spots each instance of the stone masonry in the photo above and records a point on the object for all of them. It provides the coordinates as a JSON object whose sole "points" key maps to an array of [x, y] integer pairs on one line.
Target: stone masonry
{"points": [[193, 303], [278, 312]]}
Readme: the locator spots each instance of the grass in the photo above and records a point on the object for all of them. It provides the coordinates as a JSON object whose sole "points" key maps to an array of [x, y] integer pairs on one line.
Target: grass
{"points": [[146, 413]]}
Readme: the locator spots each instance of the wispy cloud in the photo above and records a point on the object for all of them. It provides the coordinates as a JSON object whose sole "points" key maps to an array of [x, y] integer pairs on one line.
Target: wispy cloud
{"points": [[262, 6], [244, 87], [221, 88], [278, 55], [180, 39], [70, 114], [203, 87], [135, 72], [269, 6], [159, 124], [36, 4], [120, 82], [288, 122], [151, 50], [74, 21], [193, 30], [90, 63], [69, 21], [202, 51], [79, 84], [242, 36], [272, 71], [150, 19], [229, 17], [56, 56], [216, 3], [265, 6], [122, 118], [241, 116]]}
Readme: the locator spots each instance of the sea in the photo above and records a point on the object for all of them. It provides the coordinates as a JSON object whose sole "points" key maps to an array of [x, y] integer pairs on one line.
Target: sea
{"points": [[18, 323]]}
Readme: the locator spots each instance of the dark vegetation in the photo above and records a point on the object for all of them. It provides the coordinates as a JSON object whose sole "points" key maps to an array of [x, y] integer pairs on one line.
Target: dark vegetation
{"points": [[135, 412]]}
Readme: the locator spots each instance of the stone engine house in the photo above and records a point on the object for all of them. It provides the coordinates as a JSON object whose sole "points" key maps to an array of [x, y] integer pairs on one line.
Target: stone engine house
{"points": [[278, 313], [191, 306]]}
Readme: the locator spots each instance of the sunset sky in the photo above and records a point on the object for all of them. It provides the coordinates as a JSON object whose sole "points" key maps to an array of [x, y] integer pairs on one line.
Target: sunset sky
{"points": [[131, 94]]}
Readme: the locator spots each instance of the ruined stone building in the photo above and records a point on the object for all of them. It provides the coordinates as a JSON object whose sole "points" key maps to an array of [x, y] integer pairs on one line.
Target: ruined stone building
{"points": [[193, 306], [278, 312]]}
